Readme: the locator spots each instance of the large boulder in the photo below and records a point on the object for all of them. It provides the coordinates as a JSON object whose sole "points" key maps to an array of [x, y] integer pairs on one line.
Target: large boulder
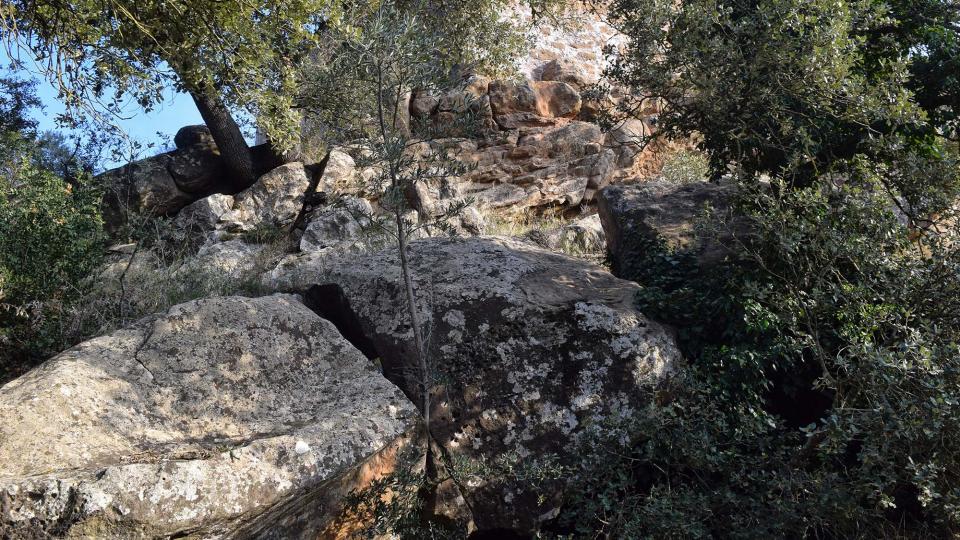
{"points": [[188, 136], [532, 103], [636, 218], [198, 170], [162, 185], [224, 417], [141, 186], [274, 200], [530, 349]]}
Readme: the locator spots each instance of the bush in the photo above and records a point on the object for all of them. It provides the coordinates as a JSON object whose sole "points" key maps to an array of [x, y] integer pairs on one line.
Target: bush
{"points": [[51, 238], [683, 166], [823, 392]]}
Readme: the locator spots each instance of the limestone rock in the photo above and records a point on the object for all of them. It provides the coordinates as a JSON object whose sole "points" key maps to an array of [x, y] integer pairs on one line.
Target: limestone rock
{"points": [[578, 41], [190, 135], [141, 186], [567, 72], [199, 219], [557, 99], [224, 417], [339, 225], [228, 260], [274, 200], [531, 348], [162, 185], [635, 216], [562, 165], [340, 173], [532, 103]]}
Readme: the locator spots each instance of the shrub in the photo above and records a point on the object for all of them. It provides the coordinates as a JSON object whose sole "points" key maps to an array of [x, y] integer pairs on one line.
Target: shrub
{"points": [[51, 238], [684, 165], [823, 392]]}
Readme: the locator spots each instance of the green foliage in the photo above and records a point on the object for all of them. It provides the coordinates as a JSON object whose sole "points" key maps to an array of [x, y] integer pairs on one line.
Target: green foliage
{"points": [[51, 238], [245, 52], [823, 392], [17, 97], [787, 86], [685, 166]]}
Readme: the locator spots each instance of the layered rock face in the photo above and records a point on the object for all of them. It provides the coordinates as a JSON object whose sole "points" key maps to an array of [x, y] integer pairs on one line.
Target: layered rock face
{"points": [[537, 150], [578, 42], [222, 417], [529, 348]]}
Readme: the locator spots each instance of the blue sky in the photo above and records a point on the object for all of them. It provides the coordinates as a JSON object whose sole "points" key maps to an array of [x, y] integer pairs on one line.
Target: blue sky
{"points": [[176, 111]]}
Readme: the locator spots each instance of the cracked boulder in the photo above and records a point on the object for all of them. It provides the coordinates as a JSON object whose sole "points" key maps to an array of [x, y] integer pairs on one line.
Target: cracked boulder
{"points": [[530, 349], [224, 417]]}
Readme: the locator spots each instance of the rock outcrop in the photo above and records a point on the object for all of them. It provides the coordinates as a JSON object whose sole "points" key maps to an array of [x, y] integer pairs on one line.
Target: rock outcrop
{"points": [[535, 150], [222, 417], [164, 184], [636, 217], [530, 348], [274, 200]]}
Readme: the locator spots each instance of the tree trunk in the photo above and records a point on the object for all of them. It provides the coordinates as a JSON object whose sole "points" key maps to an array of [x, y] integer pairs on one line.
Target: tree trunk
{"points": [[226, 133]]}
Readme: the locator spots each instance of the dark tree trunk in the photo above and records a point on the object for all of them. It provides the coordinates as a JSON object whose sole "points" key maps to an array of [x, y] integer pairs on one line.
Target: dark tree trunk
{"points": [[226, 133]]}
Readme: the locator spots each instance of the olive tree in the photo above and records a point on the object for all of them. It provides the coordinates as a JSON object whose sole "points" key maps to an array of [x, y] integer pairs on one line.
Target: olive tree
{"points": [[229, 56], [820, 398], [356, 91]]}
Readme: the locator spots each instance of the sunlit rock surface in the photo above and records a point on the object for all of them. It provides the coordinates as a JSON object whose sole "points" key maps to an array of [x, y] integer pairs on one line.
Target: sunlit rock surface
{"points": [[224, 416], [529, 349]]}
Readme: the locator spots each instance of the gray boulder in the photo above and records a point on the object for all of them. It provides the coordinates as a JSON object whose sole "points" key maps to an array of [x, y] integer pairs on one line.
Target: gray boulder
{"points": [[636, 217], [196, 222], [224, 417], [274, 200], [162, 185], [188, 136], [141, 186], [582, 236], [337, 226], [531, 348], [227, 261]]}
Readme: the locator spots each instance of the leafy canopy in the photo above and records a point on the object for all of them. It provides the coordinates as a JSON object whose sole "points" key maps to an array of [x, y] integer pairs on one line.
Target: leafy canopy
{"points": [[95, 52]]}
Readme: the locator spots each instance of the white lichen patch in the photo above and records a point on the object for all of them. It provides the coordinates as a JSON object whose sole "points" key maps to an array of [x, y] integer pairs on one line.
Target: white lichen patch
{"points": [[301, 448]]}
